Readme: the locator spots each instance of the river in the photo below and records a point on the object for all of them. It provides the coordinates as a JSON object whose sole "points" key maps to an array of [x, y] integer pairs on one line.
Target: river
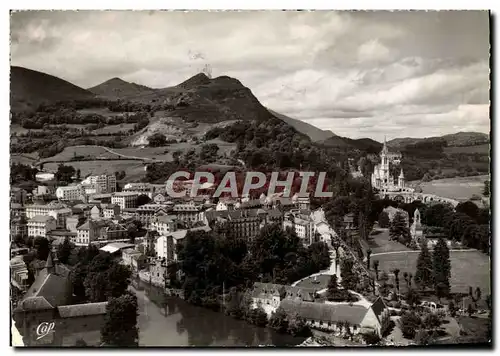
{"points": [[169, 321]]}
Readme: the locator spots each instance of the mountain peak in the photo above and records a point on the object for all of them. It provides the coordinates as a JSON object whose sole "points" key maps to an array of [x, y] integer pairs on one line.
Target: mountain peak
{"points": [[117, 87], [194, 81]]}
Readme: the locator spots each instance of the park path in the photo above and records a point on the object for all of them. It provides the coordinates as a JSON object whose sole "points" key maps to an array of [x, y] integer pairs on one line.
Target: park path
{"points": [[414, 251], [116, 153]]}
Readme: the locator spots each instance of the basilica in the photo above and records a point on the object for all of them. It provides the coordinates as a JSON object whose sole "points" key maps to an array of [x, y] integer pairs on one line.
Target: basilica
{"points": [[381, 177]]}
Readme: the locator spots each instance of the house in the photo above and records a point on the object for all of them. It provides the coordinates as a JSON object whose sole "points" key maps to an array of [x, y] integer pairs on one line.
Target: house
{"points": [[165, 245], [48, 301], [41, 225], [163, 224], [18, 226], [43, 209], [147, 211], [189, 212], [159, 198], [73, 221], [71, 192], [19, 273], [349, 222], [111, 210], [270, 294], [125, 199], [335, 317], [301, 222], [133, 258], [95, 212], [60, 215], [225, 205], [44, 190], [86, 233]]}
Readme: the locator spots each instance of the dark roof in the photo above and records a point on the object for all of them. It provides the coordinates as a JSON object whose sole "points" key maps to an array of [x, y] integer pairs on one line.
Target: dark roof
{"points": [[353, 314], [378, 307], [268, 290], [34, 303], [70, 311]]}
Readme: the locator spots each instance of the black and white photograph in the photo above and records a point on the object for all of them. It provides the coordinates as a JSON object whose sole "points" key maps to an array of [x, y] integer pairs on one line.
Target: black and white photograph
{"points": [[250, 179]]}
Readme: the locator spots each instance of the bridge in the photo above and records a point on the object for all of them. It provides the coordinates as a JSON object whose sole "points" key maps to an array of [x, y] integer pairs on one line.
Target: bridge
{"points": [[409, 196]]}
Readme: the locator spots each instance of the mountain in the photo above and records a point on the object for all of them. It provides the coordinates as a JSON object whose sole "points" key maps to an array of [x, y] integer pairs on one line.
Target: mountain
{"points": [[117, 88], [459, 139], [313, 132], [362, 144], [29, 88]]}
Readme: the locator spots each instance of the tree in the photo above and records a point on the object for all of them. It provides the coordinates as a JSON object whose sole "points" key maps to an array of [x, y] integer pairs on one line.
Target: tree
{"points": [[157, 140], [375, 267], [297, 326], [78, 176], [64, 173], [412, 298], [396, 277], [332, 286], [399, 228], [478, 294], [386, 325], [64, 251], [279, 321], [142, 199], [452, 308], [431, 322], [350, 278], [383, 220], [80, 343], [441, 268], [42, 247], [409, 324], [371, 338], [423, 275], [422, 337], [120, 327], [470, 309], [469, 208], [486, 190], [368, 255]]}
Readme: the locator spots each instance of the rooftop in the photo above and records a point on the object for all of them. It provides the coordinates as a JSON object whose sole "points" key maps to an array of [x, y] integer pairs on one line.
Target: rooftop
{"points": [[70, 311]]}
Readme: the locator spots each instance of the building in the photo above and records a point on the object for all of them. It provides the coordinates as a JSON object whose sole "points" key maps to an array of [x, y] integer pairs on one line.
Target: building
{"points": [[44, 176], [134, 259], [60, 215], [58, 236], [335, 317], [41, 225], [225, 204], [104, 183], [95, 212], [159, 198], [19, 273], [244, 223], [17, 210], [71, 193], [125, 199], [163, 224], [147, 211], [270, 294], [165, 245], [381, 177], [73, 221], [189, 212], [301, 222], [93, 231], [157, 273], [18, 226], [42, 190], [43, 209], [111, 210], [48, 301]]}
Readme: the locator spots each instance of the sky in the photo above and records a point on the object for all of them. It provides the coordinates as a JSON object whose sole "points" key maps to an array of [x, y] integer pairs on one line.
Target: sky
{"points": [[359, 74]]}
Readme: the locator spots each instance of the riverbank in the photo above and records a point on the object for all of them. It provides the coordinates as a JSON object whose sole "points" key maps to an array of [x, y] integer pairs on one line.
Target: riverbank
{"points": [[459, 188], [170, 321]]}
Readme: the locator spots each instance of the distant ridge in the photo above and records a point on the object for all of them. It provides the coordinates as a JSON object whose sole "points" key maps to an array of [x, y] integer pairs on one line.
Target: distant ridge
{"points": [[30, 88], [117, 88]]}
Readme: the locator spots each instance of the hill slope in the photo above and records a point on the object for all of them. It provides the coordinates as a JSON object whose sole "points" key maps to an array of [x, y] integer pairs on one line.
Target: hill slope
{"points": [[459, 139], [29, 88], [117, 88], [313, 132], [363, 144]]}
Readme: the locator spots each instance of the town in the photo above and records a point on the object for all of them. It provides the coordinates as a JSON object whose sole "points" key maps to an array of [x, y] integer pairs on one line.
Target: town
{"points": [[349, 294], [250, 179]]}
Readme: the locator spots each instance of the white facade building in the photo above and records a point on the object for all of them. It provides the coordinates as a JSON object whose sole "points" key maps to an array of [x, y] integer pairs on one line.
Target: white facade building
{"points": [[381, 177], [125, 200], [71, 192], [41, 225]]}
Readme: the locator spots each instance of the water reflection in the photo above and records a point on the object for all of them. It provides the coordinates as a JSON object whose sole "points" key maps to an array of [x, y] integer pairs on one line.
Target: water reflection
{"points": [[167, 321]]}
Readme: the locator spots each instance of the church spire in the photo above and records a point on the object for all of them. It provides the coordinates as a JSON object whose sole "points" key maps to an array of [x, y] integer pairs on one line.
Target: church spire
{"points": [[401, 175], [49, 265], [384, 149]]}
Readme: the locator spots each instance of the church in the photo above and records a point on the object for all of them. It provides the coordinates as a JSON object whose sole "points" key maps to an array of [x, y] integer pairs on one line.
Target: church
{"points": [[381, 177]]}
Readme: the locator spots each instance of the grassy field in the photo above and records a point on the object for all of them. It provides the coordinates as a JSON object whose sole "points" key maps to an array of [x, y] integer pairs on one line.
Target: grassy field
{"points": [[133, 169], [18, 129], [101, 111], [86, 151], [484, 149], [468, 268], [24, 158], [460, 188], [379, 242], [111, 129], [320, 283]]}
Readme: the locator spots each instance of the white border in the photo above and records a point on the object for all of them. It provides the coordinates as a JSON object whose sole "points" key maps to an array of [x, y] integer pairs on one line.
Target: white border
{"points": [[179, 4]]}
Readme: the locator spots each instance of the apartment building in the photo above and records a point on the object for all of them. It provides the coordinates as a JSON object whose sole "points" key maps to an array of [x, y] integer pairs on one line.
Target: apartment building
{"points": [[18, 195], [166, 245], [60, 216], [93, 231], [111, 210], [43, 209], [147, 211], [71, 192], [125, 200], [104, 183], [40, 225], [189, 212], [163, 224]]}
